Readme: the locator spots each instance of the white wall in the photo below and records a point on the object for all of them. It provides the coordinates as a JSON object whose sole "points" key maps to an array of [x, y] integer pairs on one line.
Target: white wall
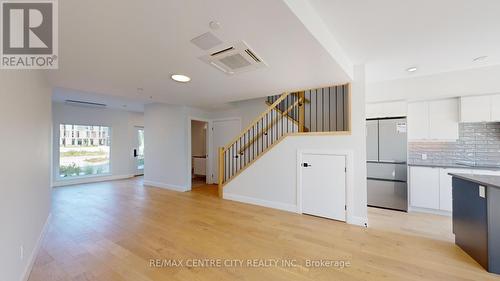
{"points": [[25, 111], [475, 81], [272, 180], [246, 110], [123, 137], [166, 147]]}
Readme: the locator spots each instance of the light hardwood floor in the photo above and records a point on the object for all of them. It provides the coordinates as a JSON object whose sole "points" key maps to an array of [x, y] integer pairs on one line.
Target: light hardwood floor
{"points": [[415, 224], [110, 231]]}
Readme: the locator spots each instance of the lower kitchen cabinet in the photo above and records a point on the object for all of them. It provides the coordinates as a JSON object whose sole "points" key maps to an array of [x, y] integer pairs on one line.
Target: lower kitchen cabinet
{"points": [[431, 188], [445, 187], [424, 187]]}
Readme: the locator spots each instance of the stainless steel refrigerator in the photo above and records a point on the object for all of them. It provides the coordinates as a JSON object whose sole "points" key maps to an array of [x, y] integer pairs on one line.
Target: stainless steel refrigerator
{"points": [[386, 162]]}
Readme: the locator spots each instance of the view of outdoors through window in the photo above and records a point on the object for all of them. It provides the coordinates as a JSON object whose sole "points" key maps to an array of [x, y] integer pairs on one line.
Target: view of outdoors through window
{"points": [[84, 150], [140, 155]]}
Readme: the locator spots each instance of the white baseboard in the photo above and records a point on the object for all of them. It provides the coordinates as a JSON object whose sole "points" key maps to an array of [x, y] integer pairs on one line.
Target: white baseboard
{"points": [[90, 180], [261, 202], [357, 221], [284, 207], [166, 186], [34, 253], [430, 211]]}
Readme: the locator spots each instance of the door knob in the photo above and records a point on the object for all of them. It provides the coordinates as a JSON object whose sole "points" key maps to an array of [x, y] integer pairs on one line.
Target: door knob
{"points": [[305, 165]]}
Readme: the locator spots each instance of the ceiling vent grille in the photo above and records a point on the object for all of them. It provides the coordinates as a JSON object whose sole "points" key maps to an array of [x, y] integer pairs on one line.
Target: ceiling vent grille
{"points": [[84, 103], [235, 58]]}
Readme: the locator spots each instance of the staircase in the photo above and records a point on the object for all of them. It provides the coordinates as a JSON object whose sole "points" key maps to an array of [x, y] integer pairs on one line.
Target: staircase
{"points": [[321, 111]]}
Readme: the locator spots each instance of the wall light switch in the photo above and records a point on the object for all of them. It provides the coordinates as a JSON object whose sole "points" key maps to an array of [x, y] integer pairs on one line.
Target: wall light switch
{"points": [[424, 156]]}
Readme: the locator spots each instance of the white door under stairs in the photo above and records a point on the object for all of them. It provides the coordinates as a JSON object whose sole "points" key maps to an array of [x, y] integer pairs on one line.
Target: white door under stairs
{"points": [[324, 186]]}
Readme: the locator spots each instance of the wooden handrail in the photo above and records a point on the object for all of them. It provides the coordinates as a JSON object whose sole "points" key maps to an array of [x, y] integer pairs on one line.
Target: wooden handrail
{"points": [[220, 177], [268, 127], [256, 120]]}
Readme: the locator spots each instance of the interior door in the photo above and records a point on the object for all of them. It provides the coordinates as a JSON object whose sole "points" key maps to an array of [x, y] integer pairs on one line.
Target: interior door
{"points": [[223, 132], [323, 186], [139, 151]]}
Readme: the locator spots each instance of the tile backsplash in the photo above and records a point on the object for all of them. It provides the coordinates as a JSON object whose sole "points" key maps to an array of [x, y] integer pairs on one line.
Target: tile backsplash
{"points": [[478, 144]]}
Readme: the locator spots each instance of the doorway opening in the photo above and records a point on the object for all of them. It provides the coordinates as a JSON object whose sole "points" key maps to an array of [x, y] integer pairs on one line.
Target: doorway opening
{"points": [[199, 153], [139, 151]]}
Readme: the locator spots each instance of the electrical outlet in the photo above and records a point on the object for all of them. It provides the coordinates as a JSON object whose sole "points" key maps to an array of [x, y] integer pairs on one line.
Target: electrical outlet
{"points": [[424, 156], [482, 191], [21, 252]]}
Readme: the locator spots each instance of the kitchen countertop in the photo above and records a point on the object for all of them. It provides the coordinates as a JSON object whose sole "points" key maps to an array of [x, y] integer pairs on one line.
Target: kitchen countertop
{"points": [[455, 166], [493, 181]]}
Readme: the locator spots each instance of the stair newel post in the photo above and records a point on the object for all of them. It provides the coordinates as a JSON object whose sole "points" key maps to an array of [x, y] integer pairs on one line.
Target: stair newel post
{"points": [[302, 104], [221, 170]]}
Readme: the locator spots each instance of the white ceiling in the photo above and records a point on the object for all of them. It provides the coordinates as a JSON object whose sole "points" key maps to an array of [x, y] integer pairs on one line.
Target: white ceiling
{"points": [[114, 47], [436, 36]]}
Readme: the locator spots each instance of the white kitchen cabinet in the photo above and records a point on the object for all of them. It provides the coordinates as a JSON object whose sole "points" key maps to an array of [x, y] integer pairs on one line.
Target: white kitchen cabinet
{"points": [[433, 120], [431, 188], [443, 119], [495, 108], [424, 187], [386, 109], [475, 109], [445, 187], [418, 120]]}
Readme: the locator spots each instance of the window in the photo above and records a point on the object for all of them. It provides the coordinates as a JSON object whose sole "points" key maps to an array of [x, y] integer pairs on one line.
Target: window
{"points": [[85, 151]]}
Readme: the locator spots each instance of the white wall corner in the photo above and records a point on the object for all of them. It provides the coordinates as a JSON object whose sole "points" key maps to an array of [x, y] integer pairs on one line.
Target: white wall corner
{"points": [[166, 186], [317, 27], [34, 253], [260, 202], [360, 221]]}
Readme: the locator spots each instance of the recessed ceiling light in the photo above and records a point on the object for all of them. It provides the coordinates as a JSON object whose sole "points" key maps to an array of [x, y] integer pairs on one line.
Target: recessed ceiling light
{"points": [[180, 78], [411, 69], [479, 59]]}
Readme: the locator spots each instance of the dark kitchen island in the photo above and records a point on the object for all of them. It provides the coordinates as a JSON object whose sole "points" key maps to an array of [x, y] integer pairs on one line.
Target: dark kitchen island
{"points": [[476, 218]]}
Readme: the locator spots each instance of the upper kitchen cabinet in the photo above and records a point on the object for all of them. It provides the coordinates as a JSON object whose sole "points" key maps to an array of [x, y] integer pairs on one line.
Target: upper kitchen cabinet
{"points": [[480, 108], [386, 109], [433, 120], [418, 120], [475, 109], [495, 108], [443, 115]]}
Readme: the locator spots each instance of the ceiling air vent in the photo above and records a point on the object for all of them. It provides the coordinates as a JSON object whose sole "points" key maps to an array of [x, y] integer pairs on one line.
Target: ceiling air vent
{"points": [[84, 103], [235, 58]]}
